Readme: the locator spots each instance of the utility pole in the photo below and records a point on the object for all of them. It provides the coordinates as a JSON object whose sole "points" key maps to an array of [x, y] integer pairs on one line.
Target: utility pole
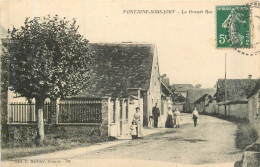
{"points": [[225, 84]]}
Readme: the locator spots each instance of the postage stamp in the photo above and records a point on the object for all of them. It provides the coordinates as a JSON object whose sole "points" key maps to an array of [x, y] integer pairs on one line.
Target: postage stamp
{"points": [[233, 26]]}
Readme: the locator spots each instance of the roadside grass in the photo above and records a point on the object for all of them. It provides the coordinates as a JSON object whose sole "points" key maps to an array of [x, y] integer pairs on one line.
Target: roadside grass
{"points": [[245, 135], [51, 143]]}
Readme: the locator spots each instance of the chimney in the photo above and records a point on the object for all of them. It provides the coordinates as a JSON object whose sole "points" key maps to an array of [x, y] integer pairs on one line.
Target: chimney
{"points": [[250, 76]]}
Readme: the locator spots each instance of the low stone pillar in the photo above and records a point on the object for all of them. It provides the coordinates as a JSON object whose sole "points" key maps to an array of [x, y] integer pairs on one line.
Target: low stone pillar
{"points": [[109, 115], [117, 119], [251, 156], [104, 111], [56, 120], [126, 127]]}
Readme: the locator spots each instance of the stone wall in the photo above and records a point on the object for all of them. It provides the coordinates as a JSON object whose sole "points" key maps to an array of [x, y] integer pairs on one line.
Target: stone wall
{"points": [[211, 108], [254, 111], [234, 110], [179, 106], [26, 134]]}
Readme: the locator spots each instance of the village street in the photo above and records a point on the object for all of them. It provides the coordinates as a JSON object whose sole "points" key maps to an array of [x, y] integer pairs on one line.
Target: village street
{"points": [[212, 142]]}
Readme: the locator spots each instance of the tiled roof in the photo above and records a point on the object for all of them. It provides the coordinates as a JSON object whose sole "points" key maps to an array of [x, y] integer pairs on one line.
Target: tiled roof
{"points": [[237, 89], [202, 98], [117, 67], [196, 93], [182, 87], [165, 88]]}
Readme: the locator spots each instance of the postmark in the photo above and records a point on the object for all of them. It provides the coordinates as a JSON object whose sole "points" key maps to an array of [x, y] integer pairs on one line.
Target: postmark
{"points": [[233, 26], [255, 32]]}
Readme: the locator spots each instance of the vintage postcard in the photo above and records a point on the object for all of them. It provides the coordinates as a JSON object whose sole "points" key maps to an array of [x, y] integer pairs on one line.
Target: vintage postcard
{"points": [[130, 83]]}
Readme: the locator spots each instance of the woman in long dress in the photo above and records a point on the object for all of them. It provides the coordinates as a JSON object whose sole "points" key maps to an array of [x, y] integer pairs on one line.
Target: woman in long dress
{"points": [[169, 123], [137, 120]]}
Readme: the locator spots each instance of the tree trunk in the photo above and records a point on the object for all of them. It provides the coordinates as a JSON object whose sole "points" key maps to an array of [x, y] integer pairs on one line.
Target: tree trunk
{"points": [[40, 122]]}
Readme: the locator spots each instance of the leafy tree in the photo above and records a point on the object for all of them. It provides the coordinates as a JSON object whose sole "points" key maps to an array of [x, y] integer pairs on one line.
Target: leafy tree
{"points": [[49, 59], [5, 65]]}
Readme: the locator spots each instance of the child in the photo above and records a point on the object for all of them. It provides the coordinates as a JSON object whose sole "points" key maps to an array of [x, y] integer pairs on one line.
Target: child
{"points": [[133, 130]]}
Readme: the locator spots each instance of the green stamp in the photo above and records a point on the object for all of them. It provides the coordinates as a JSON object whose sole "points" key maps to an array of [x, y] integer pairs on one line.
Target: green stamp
{"points": [[233, 26]]}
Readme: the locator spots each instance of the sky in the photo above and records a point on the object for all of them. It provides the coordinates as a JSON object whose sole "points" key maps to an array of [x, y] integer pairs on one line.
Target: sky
{"points": [[186, 43]]}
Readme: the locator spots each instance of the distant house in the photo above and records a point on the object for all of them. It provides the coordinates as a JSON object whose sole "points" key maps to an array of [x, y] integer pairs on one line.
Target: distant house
{"points": [[123, 70], [236, 97], [195, 94], [182, 89], [206, 104]]}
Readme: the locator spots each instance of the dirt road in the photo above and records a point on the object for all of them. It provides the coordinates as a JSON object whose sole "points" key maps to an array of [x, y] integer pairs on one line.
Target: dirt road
{"points": [[212, 141]]}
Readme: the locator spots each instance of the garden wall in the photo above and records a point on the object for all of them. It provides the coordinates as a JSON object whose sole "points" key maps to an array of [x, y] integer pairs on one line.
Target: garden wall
{"points": [[254, 111], [235, 110], [26, 134]]}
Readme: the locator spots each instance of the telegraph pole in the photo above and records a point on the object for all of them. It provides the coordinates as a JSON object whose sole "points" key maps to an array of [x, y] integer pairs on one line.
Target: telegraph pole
{"points": [[225, 84]]}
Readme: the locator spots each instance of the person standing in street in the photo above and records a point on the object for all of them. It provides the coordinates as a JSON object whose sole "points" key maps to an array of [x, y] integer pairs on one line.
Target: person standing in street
{"points": [[169, 123], [195, 116], [133, 131], [178, 117], [156, 114]]}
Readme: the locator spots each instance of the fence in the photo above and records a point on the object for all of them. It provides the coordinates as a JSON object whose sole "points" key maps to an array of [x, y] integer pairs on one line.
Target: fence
{"points": [[66, 112], [112, 116], [26, 113], [80, 112]]}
